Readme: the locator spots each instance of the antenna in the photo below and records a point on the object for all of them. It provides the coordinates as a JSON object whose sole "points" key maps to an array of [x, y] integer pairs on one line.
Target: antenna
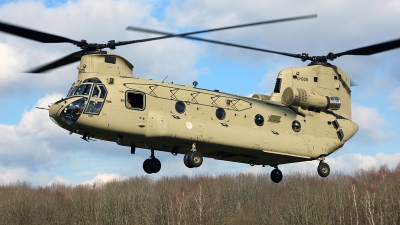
{"points": [[164, 79]]}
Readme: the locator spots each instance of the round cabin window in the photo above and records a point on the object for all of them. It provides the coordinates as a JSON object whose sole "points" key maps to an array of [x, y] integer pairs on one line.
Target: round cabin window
{"points": [[220, 113], [259, 120], [296, 126], [180, 107]]}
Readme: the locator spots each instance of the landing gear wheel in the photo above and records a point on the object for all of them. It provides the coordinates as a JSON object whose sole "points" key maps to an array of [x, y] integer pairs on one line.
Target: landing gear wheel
{"points": [[323, 169], [276, 175], [193, 159], [152, 165], [146, 166], [185, 160]]}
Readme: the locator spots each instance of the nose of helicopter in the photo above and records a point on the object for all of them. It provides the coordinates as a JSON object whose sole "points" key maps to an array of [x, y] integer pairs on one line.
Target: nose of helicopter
{"points": [[53, 110]]}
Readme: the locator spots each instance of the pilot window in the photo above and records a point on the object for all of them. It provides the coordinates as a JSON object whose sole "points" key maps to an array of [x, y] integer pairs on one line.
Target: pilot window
{"points": [[96, 100], [83, 89], [135, 100]]}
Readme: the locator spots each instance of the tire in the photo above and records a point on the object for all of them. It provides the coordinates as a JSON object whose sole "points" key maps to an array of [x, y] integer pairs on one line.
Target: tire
{"points": [[146, 166], [155, 165], [276, 175], [185, 160], [195, 159], [323, 169]]}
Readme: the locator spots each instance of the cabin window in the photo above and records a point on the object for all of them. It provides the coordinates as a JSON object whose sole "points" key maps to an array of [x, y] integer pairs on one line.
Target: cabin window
{"points": [[296, 126], [110, 59], [135, 100], [220, 113], [259, 120], [180, 107]]}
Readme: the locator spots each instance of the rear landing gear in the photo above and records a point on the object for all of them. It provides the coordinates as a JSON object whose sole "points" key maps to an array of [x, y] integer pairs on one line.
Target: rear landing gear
{"points": [[152, 165], [276, 175]]}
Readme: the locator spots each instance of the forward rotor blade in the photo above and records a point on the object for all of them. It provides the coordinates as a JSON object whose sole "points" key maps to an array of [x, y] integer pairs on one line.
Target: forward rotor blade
{"points": [[71, 58], [214, 42], [216, 29], [34, 35], [372, 49]]}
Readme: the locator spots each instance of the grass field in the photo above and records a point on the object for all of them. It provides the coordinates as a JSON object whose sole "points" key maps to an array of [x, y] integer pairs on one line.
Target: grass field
{"points": [[363, 197]]}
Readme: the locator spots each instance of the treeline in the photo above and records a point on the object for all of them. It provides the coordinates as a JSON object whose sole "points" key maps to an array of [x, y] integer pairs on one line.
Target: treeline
{"points": [[363, 197]]}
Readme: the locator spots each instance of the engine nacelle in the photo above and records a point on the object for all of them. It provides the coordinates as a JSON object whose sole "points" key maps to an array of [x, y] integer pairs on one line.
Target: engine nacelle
{"points": [[309, 99], [261, 97]]}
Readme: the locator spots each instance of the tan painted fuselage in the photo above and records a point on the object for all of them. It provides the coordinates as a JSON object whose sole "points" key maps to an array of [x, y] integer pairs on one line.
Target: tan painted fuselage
{"points": [[157, 121]]}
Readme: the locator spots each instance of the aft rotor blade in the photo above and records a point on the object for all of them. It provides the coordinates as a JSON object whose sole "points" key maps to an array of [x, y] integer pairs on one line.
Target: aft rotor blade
{"points": [[71, 58], [216, 29], [372, 49], [34, 35]]}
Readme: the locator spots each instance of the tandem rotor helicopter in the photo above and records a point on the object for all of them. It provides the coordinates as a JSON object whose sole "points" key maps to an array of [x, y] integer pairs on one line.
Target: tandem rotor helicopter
{"points": [[307, 117]]}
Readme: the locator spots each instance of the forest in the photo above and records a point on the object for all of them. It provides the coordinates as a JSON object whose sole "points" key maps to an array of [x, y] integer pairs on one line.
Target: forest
{"points": [[362, 197]]}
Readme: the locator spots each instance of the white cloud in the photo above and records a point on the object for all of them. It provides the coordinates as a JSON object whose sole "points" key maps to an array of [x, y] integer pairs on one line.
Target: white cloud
{"points": [[104, 178], [27, 144], [13, 174], [48, 179], [371, 124], [80, 20], [395, 98]]}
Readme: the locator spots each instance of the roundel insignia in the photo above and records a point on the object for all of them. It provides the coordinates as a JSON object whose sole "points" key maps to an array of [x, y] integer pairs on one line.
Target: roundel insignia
{"points": [[189, 125]]}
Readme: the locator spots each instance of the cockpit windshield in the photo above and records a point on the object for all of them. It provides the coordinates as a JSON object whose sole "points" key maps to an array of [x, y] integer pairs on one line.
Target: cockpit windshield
{"points": [[83, 89], [93, 94]]}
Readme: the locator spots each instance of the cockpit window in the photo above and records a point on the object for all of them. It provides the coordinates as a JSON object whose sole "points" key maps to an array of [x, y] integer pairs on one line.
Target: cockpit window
{"points": [[71, 91], [99, 91], [96, 100], [83, 89], [73, 111], [92, 80]]}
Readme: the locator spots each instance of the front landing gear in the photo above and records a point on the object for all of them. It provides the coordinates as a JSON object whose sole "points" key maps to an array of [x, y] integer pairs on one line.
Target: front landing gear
{"points": [[276, 175], [323, 169], [152, 165]]}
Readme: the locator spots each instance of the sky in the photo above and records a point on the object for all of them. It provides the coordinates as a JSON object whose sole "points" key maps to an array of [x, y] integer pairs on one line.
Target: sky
{"points": [[34, 149]]}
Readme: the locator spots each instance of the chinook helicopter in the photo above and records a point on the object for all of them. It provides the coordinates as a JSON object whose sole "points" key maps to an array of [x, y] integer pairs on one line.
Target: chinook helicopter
{"points": [[307, 117]]}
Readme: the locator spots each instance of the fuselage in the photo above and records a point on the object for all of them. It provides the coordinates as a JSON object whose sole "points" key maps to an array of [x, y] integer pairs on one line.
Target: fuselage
{"points": [[110, 104]]}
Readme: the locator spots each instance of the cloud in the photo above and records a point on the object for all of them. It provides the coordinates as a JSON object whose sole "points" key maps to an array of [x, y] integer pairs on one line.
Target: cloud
{"points": [[104, 178], [25, 144], [13, 174], [371, 124], [80, 20], [395, 98]]}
